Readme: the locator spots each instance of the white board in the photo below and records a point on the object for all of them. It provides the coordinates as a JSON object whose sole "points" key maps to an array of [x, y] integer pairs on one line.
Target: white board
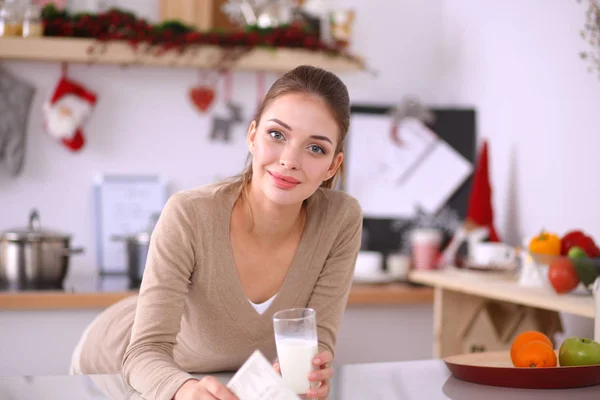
{"points": [[124, 205], [393, 181]]}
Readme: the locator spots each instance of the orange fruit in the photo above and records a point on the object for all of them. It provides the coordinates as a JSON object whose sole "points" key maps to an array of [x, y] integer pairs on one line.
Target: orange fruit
{"points": [[535, 354], [526, 337]]}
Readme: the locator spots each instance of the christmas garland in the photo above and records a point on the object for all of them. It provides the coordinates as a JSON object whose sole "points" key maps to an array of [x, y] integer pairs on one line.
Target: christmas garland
{"points": [[119, 25]]}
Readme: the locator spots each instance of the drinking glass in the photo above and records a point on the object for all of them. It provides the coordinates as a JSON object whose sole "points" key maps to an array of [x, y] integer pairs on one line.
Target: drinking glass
{"points": [[297, 345]]}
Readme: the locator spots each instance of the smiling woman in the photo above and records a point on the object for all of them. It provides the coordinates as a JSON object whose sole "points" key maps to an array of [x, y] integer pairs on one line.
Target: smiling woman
{"points": [[318, 103], [287, 152], [225, 257]]}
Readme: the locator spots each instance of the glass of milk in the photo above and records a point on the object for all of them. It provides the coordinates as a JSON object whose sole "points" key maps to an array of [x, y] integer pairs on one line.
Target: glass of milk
{"points": [[297, 344]]}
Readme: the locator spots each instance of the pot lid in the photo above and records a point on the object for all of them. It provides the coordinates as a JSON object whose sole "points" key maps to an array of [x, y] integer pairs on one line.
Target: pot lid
{"points": [[33, 231]]}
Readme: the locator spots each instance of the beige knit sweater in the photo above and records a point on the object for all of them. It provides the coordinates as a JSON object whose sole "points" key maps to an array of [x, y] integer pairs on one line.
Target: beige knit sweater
{"points": [[192, 315]]}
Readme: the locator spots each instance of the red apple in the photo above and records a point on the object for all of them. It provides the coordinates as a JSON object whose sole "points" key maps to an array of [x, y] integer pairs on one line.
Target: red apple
{"points": [[562, 275]]}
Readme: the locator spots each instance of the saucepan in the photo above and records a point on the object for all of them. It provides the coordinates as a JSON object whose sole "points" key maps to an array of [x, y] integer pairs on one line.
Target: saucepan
{"points": [[34, 258], [137, 246]]}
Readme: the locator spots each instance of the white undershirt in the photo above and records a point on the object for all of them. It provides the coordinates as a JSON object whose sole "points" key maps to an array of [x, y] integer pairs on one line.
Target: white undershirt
{"points": [[262, 307]]}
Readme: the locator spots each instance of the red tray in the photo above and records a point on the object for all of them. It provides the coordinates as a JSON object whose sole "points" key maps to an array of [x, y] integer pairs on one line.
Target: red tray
{"points": [[496, 369]]}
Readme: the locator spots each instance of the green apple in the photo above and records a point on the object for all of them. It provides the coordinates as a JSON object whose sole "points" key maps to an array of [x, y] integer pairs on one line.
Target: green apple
{"points": [[577, 252], [586, 270], [579, 351], [584, 266]]}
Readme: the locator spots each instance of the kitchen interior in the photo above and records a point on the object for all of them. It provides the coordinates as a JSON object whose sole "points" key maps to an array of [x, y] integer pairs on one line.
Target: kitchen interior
{"points": [[501, 87]]}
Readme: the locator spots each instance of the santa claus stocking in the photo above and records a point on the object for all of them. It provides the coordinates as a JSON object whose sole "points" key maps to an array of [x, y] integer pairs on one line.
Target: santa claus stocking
{"points": [[66, 112]]}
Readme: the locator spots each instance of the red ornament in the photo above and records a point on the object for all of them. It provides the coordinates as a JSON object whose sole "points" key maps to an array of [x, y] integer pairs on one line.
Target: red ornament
{"points": [[202, 97], [203, 94], [480, 210]]}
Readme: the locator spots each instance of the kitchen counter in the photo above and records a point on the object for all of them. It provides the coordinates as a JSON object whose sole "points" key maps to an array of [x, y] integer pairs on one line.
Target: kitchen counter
{"points": [[475, 311], [410, 380], [87, 293], [378, 312], [505, 288]]}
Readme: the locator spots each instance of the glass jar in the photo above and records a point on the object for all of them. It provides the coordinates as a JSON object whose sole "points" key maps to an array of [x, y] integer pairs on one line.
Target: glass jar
{"points": [[10, 19], [32, 21]]}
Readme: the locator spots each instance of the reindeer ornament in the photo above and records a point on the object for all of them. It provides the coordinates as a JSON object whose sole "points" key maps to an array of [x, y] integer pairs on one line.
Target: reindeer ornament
{"points": [[227, 114], [222, 125]]}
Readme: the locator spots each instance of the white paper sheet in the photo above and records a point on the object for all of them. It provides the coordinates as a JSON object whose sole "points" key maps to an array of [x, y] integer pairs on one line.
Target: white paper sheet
{"points": [[257, 380], [392, 181]]}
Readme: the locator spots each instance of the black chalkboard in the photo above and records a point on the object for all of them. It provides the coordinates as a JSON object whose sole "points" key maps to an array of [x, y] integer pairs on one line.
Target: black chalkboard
{"points": [[458, 128]]}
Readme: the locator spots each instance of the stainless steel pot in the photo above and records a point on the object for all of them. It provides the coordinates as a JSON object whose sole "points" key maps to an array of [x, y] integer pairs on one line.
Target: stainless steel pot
{"points": [[137, 246], [34, 258], [137, 251]]}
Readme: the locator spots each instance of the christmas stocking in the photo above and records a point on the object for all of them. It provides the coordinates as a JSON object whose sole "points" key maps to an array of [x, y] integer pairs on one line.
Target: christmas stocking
{"points": [[66, 112]]}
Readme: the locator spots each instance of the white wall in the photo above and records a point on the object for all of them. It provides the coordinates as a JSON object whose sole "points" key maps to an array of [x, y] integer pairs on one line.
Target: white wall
{"points": [[518, 63], [143, 122]]}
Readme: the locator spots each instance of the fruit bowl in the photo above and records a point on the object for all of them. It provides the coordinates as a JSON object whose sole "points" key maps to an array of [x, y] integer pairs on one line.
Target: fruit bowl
{"points": [[495, 369], [567, 274], [533, 363]]}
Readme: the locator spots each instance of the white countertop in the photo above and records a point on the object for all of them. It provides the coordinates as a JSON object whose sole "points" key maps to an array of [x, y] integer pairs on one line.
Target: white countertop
{"points": [[427, 380]]}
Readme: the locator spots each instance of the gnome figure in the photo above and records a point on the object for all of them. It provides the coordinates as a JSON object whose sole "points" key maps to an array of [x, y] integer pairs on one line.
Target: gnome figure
{"points": [[479, 221]]}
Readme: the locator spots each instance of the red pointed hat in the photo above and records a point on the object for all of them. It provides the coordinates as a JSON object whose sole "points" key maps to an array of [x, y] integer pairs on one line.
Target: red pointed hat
{"points": [[480, 210]]}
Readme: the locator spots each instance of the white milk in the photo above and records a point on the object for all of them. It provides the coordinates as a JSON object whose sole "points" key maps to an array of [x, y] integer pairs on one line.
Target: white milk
{"points": [[295, 359]]}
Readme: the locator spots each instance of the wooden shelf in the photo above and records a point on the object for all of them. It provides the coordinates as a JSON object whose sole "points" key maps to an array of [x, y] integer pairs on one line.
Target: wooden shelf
{"points": [[59, 300], [385, 294], [507, 289], [389, 294], [74, 50]]}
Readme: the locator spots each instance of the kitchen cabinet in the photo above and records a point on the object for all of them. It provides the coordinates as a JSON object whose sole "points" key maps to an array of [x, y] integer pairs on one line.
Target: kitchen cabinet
{"points": [[39, 330], [478, 311]]}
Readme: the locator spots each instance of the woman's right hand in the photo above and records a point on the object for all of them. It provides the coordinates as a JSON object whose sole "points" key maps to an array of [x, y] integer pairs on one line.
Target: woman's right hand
{"points": [[207, 388]]}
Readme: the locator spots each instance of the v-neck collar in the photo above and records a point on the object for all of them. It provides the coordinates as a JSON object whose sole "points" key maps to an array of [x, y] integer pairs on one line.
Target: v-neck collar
{"points": [[234, 296]]}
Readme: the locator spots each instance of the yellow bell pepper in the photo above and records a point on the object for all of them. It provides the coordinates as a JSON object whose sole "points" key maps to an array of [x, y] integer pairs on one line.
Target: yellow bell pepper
{"points": [[545, 243]]}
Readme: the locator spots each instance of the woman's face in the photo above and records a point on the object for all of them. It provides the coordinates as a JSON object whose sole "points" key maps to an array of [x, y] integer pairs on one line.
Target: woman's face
{"points": [[293, 148]]}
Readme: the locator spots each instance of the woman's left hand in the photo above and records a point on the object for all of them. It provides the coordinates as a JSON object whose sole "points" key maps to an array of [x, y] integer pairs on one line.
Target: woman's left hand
{"points": [[322, 374]]}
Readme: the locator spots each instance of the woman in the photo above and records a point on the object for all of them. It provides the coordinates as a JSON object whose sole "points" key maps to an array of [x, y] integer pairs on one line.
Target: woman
{"points": [[224, 258]]}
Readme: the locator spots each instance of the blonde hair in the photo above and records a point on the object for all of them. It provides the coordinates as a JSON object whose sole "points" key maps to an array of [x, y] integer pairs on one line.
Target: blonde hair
{"points": [[314, 81]]}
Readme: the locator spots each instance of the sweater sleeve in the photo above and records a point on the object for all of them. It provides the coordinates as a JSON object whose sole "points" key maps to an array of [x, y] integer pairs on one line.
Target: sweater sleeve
{"points": [[331, 291], [148, 364]]}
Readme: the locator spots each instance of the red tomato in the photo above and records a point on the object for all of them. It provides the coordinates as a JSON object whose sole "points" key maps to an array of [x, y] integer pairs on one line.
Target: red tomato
{"points": [[562, 275]]}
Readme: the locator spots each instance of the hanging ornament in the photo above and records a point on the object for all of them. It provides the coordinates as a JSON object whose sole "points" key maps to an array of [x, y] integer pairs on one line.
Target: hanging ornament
{"points": [[203, 94], [223, 123], [260, 91], [410, 107], [67, 110]]}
